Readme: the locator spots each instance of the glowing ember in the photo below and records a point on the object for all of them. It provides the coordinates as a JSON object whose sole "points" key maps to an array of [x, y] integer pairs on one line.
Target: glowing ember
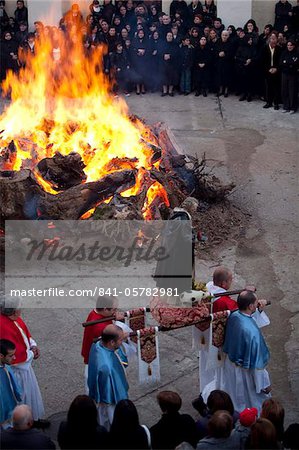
{"points": [[67, 106], [45, 184]]}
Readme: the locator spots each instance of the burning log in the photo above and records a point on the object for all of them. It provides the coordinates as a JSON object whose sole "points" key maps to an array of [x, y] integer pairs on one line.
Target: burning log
{"points": [[63, 171], [18, 194], [21, 197], [173, 185], [126, 208], [8, 156], [121, 164]]}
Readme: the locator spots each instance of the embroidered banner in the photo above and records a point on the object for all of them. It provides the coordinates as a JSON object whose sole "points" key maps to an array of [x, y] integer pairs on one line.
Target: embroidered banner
{"points": [[135, 319], [148, 355], [175, 317]]}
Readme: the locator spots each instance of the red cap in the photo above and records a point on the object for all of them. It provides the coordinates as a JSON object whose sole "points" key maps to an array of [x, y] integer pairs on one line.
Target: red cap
{"points": [[248, 416]]}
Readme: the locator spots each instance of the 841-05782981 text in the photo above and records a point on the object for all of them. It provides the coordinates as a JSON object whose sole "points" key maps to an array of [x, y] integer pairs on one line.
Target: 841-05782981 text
{"points": [[139, 292]]}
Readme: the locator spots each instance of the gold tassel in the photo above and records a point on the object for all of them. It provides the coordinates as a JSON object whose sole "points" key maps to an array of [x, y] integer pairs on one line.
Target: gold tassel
{"points": [[219, 356], [203, 341], [149, 370]]}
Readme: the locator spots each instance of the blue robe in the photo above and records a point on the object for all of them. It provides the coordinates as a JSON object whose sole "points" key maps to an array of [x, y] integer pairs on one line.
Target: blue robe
{"points": [[244, 343], [107, 380], [10, 393]]}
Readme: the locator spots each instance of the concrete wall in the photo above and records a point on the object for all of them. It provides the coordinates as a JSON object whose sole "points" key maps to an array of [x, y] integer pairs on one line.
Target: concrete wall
{"points": [[10, 6], [47, 11], [263, 12], [234, 12]]}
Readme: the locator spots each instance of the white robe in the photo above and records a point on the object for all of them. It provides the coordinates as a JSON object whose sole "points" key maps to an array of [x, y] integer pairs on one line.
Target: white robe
{"points": [[209, 361], [243, 385], [211, 358], [27, 381]]}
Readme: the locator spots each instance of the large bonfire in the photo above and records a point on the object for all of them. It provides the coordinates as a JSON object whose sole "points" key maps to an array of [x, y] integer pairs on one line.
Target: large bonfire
{"points": [[66, 106], [67, 145]]}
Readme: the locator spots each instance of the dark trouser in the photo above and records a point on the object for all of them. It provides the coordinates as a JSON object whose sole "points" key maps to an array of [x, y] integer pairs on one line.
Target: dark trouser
{"points": [[246, 80], [289, 91], [185, 82], [126, 78], [272, 88], [201, 78]]}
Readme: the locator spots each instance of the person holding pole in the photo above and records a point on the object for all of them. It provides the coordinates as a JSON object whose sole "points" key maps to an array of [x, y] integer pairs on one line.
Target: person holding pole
{"points": [[243, 375], [105, 308], [211, 357], [107, 380]]}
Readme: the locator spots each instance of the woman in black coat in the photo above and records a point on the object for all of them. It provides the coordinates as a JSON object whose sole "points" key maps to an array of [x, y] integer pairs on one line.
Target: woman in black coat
{"points": [[224, 55], [246, 57], [169, 65], [21, 13], [81, 429], [289, 65], [155, 49], [202, 60], [126, 432], [141, 60], [9, 55], [125, 75], [3, 16], [209, 11]]}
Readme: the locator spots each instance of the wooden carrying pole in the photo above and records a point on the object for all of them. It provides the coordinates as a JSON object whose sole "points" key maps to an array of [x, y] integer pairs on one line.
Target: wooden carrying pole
{"points": [[106, 319], [164, 329]]}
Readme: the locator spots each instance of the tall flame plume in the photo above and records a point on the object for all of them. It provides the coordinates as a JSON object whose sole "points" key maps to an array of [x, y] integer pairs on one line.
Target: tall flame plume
{"points": [[66, 105]]}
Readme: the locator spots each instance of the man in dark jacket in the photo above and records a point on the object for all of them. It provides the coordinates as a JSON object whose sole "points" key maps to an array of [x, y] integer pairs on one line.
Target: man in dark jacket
{"points": [[173, 428], [22, 435], [270, 59], [289, 65]]}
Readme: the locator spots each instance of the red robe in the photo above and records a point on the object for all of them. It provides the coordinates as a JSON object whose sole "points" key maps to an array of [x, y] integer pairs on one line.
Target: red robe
{"points": [[92, 332], [224, 303], [10, 331]]}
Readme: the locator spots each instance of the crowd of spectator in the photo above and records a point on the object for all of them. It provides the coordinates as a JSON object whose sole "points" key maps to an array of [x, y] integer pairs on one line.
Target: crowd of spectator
{"points": [[218, 426], [189, 50]]}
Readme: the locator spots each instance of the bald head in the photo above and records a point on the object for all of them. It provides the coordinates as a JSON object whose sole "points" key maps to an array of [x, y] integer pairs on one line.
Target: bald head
{"points": [[247, 301], [112, 336], [222, 277], [22, 418]]}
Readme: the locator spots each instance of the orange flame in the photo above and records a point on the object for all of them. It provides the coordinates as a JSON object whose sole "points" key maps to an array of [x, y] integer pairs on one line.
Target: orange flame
{"points": [[67, 106], [156, 191]]}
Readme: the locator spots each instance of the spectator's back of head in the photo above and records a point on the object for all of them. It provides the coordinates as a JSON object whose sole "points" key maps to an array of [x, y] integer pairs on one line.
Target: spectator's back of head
{"points": [[263, 435], [220, 425], [169, 401], [274, 411], [220, 400], [291, 437], [125, 417], [82, 413], [22, 418]]}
